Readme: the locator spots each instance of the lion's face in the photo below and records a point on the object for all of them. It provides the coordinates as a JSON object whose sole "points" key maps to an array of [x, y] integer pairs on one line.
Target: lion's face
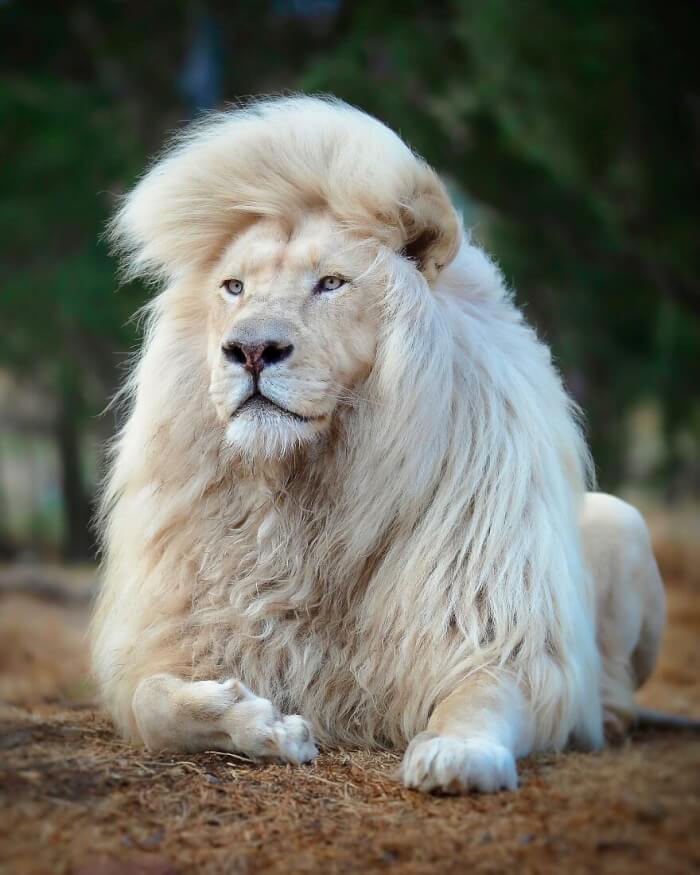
{"points": [[292, 330]]}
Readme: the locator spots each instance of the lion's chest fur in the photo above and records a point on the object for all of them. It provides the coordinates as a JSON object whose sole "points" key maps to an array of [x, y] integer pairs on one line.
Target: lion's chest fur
{"points": [[314, 629]]}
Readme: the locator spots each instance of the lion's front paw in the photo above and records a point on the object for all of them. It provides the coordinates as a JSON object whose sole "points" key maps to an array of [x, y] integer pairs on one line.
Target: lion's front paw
{"points": [[292, 741], [450, 765], [257, 728]]}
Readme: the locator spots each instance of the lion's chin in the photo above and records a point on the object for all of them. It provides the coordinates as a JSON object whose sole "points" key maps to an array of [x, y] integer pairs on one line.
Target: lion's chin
{"points": [[260, 429]]}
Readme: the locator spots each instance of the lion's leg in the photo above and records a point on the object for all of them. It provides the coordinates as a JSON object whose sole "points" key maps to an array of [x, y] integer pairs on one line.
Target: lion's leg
{"points": [[472, 739], [200, 715], [630, 602]]}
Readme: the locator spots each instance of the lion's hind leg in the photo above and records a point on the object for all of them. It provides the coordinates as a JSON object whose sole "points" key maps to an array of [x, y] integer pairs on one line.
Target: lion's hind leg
{"points": [[630, 603], [174, 714]]}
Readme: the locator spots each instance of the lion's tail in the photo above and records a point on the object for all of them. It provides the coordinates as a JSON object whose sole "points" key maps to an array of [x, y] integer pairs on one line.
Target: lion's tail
{"points": [[648, 718]]}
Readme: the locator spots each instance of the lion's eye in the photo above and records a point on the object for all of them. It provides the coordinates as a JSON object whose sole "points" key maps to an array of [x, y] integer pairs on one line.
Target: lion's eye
{"points": [[330, 283], [233, 287]]}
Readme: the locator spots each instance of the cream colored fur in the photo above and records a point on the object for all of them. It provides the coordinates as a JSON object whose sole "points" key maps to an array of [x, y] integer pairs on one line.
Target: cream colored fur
{"points": [[396, 558]]}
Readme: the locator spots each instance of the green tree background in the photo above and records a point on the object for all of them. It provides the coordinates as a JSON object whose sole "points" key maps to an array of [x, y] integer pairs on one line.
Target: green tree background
{"points": [[570, 132]]}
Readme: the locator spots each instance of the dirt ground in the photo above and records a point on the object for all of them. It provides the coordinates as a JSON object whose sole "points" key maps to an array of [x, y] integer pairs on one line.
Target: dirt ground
{"points": [[77, 800]]}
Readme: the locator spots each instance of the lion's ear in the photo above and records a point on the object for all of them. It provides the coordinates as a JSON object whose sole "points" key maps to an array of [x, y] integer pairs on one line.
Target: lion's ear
{"points": [[430, 226]]}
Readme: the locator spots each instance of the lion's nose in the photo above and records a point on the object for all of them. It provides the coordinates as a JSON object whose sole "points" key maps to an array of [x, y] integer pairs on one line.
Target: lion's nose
{"points": [[256, 356]]}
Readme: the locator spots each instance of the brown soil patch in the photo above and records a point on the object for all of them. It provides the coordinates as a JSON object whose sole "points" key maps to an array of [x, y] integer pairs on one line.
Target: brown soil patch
{"points": [[77, 800]]}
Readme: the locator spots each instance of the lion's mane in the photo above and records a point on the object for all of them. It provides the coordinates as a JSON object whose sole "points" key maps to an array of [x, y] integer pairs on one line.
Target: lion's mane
{"points": [[437, 533]]}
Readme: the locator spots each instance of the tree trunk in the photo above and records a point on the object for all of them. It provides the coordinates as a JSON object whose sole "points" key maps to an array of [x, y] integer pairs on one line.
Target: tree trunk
{"points": [[77, 543]]}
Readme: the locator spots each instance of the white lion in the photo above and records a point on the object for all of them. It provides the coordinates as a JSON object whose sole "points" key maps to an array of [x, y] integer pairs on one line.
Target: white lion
{"points": [[351, 481]]}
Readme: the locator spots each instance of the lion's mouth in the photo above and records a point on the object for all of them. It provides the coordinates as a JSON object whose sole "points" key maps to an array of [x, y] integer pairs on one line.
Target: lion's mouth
{"points": [[257, 403]]}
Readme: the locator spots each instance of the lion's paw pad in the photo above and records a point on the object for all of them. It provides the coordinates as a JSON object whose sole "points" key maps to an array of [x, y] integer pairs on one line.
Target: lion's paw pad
{"points": [[450, 765]]}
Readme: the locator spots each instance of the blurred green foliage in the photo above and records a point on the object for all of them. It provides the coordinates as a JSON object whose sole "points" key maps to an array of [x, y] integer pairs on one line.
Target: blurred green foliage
{"points": [[571, 129], [62, 148]]}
